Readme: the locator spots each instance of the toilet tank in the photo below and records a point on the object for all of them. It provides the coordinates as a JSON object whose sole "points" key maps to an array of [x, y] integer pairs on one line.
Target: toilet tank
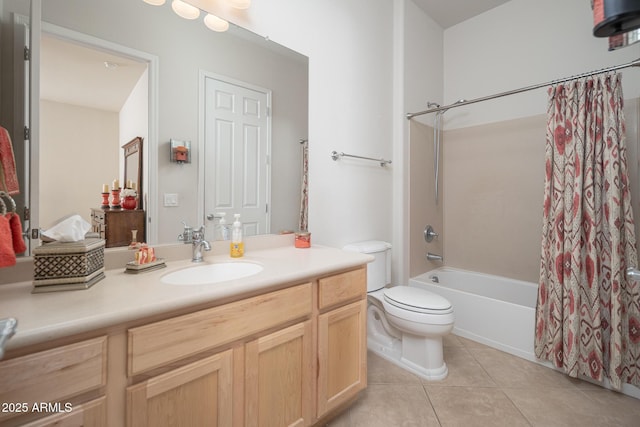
{"points": [[378, 270]]}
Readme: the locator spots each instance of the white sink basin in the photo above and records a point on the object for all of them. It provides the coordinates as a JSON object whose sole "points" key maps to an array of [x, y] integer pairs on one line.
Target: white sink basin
{"points": [[207, 274]]}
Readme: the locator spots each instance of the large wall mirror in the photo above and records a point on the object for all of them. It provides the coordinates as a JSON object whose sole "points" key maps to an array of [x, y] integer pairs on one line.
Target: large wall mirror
{"points": [[164, 58]]}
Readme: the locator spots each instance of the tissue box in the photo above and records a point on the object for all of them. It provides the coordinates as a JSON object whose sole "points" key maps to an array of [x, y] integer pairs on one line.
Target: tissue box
{"points": [[68, 265]]}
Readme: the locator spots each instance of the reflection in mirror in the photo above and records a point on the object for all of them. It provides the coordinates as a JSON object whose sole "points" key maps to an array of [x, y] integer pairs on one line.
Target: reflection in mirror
{"points": [[133, 168], [85, 96], [183, 49]]}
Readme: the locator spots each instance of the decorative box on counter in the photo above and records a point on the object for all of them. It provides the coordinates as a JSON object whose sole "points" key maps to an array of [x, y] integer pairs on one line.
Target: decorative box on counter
{"points": [[62, 266]]}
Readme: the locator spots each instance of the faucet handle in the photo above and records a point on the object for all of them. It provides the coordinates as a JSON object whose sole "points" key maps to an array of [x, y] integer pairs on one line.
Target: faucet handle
{"points": [[198, 234], [187, 233], [429, 234]]}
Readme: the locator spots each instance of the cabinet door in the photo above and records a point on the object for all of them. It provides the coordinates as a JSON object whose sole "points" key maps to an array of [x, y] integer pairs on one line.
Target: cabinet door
{"points": [[342, 355], [198, 394], [278, 376]]}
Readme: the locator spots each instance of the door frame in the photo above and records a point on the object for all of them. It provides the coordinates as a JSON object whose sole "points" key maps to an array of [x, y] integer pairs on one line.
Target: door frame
{"points": [[202, 78]]}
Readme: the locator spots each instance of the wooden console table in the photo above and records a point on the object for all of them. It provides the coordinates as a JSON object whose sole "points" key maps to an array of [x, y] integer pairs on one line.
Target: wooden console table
{"points": [[115, 225]]}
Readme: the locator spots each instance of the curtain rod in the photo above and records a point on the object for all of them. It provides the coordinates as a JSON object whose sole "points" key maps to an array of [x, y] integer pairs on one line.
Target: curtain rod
{"points": [[460, 103]]}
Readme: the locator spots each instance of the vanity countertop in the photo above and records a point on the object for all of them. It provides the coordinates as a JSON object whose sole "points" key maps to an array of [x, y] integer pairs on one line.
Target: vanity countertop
{"points": [[123, 297]]}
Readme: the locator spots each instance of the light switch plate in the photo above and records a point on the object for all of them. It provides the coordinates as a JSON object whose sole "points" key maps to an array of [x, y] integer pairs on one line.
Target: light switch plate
{"points": [[170, 199]]}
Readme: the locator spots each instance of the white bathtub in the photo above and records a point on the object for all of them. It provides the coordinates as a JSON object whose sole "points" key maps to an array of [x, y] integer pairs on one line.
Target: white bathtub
{"points": [[492, 310]]}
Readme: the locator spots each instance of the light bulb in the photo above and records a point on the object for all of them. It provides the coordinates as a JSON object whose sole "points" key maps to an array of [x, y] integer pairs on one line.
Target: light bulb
{"points": [[240, 4], [216, 24], [185, 10], [154, 2]]}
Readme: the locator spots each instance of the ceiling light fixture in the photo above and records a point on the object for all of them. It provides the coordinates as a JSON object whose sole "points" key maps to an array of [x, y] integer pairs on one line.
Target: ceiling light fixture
{"points": [[216, 24], [240, 4], [188, 11], [185, 10]]}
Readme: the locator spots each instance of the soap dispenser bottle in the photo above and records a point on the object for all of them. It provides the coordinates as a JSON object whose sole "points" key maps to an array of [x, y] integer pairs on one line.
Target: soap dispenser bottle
{"points": [[224, 229], [237, 245]]}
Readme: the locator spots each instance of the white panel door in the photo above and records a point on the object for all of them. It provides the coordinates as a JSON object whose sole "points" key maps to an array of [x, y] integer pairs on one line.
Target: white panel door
{"points": [[237, 149]]}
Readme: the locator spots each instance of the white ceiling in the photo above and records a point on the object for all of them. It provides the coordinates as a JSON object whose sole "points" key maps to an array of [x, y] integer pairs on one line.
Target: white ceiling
{"points": [[451, 12], [77, 75]]}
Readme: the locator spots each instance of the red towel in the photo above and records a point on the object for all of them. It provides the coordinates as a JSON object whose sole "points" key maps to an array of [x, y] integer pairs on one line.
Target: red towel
{"points": [[8, 174], [7, 255], [16, 233]]}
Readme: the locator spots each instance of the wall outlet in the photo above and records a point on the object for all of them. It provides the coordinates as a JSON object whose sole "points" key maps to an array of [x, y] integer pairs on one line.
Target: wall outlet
{"points": [[170, 199]]}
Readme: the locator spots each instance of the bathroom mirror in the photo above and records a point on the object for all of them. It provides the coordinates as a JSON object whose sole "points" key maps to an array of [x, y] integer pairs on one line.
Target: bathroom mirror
{"points": [[183, 49]]}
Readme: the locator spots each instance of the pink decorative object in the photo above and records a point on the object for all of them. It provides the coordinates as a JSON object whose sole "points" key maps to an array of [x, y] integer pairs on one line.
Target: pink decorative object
{"points": [[105, 200], [129, 203], [115, 199]]}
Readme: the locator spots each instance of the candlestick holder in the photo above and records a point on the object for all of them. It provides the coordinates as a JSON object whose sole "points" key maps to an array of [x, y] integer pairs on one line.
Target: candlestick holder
{"points": [[115, 199], [105, 201]]}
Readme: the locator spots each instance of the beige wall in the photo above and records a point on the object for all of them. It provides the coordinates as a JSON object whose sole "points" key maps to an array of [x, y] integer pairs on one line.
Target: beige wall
{"points": [[78, 154], [493, 177], [424, 211], [493, 191]]}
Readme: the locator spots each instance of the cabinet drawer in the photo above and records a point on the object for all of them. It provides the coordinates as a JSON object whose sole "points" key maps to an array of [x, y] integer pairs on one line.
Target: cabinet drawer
{"points": [[342, 288], [54, 375], [89, 414], [97, 216], [160, 343]]}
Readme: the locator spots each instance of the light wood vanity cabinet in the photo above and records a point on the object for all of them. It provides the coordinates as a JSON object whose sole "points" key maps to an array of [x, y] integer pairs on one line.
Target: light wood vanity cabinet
{"points": [[278, 378], [198, 394], [342, 339], [289, 357], [275, 383], [50, 381]]}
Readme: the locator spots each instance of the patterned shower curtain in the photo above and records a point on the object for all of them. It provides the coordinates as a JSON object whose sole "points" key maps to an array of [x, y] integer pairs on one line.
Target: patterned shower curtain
{"points": [[588, 313]]}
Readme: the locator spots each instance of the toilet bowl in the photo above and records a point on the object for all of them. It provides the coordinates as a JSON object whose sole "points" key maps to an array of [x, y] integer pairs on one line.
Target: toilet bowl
{"points": [[405, 325]]}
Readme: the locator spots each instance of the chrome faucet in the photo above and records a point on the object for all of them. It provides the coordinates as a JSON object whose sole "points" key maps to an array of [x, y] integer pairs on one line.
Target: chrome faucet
{"points": [[199, 243]]}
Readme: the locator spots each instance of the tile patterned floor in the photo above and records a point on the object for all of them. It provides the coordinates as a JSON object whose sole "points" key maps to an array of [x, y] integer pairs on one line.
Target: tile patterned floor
{"points": [[485, 387]]}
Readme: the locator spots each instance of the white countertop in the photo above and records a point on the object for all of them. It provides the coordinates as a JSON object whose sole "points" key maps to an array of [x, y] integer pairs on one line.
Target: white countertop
{"points": [[123, 297]]}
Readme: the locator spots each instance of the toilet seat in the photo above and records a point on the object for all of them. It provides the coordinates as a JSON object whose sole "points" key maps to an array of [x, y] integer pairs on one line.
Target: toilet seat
{"points": [[417, 300]]}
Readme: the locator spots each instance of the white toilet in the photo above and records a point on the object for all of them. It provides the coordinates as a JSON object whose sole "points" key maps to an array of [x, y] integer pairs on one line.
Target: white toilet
{"points": [[405, 325]]}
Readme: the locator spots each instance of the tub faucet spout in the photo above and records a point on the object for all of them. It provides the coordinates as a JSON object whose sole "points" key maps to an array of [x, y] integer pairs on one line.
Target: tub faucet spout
{"points": [[434, 257]]}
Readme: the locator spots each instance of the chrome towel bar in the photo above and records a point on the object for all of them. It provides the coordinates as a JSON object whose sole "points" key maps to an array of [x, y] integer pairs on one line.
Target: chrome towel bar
{"points": [[335, 156]]}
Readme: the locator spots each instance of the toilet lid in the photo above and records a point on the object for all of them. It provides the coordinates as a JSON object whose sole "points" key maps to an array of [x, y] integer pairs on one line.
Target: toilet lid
{"points": [[416, 299]]}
